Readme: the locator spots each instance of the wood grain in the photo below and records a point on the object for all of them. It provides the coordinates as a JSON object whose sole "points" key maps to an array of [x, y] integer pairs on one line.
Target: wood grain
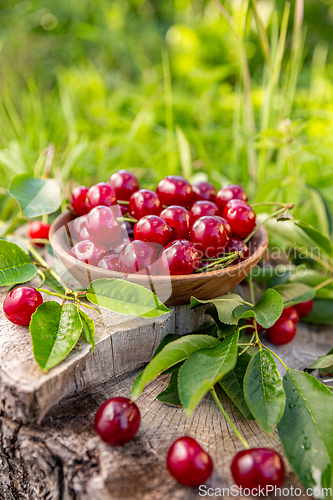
{"points": [[174, 290]]}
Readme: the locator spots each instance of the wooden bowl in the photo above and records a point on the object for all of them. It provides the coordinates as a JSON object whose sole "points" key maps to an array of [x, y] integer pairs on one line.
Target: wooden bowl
{"points": [[172, 290]]}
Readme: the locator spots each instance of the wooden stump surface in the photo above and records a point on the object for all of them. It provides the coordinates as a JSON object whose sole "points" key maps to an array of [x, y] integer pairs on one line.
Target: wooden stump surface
{"points": [[58, 456]]}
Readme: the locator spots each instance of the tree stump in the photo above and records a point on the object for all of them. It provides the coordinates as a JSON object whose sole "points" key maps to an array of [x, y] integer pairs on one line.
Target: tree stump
{"points": [[48, 447]]}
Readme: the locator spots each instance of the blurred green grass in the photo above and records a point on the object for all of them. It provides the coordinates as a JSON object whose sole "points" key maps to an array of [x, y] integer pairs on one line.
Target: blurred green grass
{"points": [[139, 84]]}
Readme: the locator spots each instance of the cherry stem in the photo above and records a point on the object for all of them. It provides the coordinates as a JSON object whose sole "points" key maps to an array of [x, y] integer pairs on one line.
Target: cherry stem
{"points": [[122, 202], [48, 292], [249, 345], [36, 255], [217, 258], [232, 425], [126, 219], [42, 277], [271, 216], [324, 283], [220, 261]]}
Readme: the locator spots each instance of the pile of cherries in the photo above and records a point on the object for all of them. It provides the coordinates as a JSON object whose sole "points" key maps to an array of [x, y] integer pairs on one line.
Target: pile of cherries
{"points": [[175, 230], [118, 420], [284, 330]]}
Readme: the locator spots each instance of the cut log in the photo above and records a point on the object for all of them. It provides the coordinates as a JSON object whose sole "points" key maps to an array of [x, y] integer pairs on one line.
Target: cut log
{"points": [[48, 447]]}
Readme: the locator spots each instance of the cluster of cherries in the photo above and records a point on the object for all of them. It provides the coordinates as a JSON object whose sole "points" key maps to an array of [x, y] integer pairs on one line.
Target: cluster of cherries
{"points": [[118, 420], [284, 329], [123, 228]]}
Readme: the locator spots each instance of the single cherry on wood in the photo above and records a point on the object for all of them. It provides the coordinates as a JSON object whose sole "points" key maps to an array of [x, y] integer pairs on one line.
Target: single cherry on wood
{"points": [[203, 207], [117, 421], [124, 184], [188, 463], [38, 230], [179, 257], [291, 313], [154, 229], [282, 332], [258, 467], [101, 194], [178, 219], [209, 236], [144, 202], [240, 217], [21, 303], [78, 200], [227, 193], [174, 190], [304, 308]]}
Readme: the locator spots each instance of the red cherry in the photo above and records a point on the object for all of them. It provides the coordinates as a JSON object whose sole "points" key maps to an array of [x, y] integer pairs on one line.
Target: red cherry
{"points": [[110, 262], [129, 228], [144, 202], [179, 257], [209, 236], [124, 183], [37, 230], [258, 467], [241, 218], [101, 194], [291, 313], [188, 463], [179, 219], [78, 200], [153, 228], [84, 235], [76, 226], [227, 193], [121, 245], [226, 225], [203, 190], [304, 308], [137, 256], [102, 225], [88, 251], [117, 421], [21, 303], [282, 332], [173, 190], [238, 245], [201, 208]]}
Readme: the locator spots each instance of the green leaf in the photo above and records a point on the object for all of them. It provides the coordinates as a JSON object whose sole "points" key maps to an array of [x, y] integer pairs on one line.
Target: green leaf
{"points": [[223, 329], [287, 234], [263, 390], [329, 369], [15, 265], [53, 283], [88, 329], [203, 369], [322, 362], [266, 311], [125, 298], [322, 312], [319, 238], [35, 196], [232, 384], [170, 396], [54, 330], [295, 293], [170, 355], [225, 306], [306, 428]]}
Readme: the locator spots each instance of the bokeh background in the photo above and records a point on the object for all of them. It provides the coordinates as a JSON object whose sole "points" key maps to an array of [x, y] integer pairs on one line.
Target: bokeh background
{"points": [[157, 86]]}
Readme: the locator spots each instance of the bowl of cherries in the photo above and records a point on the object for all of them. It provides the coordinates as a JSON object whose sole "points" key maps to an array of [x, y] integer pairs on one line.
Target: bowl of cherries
{"points": [[181, 240]]}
